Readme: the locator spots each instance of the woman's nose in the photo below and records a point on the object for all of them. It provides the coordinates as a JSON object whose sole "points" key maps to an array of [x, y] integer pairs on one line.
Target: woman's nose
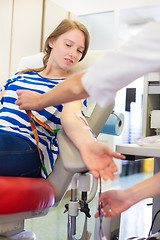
{"points": [[73, 53]]}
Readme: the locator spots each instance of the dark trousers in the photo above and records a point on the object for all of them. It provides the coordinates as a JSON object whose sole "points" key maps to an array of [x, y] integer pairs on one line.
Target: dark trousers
{"points": [[18, 157]]}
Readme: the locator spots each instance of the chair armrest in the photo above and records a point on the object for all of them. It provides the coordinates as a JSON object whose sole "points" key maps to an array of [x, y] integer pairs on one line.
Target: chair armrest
{"points": [[70, 155], [67, 164], [99, 117]]}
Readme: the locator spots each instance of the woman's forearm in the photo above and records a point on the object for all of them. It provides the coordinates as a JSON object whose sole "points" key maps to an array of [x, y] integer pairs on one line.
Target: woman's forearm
{"points": [[76, 129]]}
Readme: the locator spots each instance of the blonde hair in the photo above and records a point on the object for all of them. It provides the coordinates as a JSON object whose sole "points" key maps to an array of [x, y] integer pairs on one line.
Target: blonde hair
{"points": [[63, 27]]}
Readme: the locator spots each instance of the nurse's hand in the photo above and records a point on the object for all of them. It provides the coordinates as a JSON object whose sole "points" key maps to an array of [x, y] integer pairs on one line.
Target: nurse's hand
{"points": [[114, 202], [29, 100], [99, 159]]}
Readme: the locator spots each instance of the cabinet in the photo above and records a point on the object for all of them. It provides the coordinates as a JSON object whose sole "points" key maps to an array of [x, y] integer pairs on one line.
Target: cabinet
{"points": [[151, 101]]}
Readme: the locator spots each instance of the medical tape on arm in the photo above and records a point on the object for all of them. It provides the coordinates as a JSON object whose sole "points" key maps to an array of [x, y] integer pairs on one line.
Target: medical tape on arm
{"points": [[87, 126]]}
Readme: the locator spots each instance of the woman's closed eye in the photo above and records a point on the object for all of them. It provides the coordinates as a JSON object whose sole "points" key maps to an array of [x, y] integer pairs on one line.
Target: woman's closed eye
{"points": [[80, 51], [68, 45]]}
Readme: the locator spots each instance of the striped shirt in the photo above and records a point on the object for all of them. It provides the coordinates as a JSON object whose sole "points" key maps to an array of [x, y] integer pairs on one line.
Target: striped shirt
{"points": [[16, 121]]}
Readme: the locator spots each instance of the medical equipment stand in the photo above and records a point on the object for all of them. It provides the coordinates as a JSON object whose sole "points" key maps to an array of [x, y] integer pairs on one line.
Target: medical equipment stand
{"points": [[75, 205], [110, 225]]}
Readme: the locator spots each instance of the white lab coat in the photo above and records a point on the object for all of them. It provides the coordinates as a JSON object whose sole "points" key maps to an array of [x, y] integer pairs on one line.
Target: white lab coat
{"points": [[117, 69]]}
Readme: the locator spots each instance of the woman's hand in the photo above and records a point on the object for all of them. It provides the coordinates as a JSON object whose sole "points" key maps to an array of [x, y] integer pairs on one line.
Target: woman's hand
{"points": [[114, 202], [29, 100], [99, 159]]}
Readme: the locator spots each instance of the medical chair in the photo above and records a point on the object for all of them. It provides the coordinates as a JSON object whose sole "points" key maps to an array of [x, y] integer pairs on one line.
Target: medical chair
{"points": [[23, 198]]}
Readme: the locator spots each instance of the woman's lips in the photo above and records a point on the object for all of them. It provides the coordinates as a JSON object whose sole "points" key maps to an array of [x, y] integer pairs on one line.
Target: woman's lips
{"points": [[68, 60]]}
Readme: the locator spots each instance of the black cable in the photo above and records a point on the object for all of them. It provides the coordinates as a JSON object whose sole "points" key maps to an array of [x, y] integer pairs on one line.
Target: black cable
{"points": [[153, 222]]}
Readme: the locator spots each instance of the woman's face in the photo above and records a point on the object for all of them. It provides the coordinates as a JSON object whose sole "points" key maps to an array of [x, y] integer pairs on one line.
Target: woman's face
{"points": [[67, 49]]}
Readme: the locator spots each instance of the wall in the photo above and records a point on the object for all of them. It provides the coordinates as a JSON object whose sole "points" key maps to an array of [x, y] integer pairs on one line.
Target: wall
{"points": [[84, 7], [53, 14], [5, 37], [26, 32], [88, 7]]}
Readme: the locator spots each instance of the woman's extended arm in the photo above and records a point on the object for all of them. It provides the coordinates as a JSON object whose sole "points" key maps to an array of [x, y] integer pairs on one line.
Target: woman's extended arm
{"points": [[97, 156]]}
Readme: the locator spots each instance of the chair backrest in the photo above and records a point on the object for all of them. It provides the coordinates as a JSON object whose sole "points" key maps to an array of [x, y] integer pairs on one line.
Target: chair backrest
{"points": [[69, 160]]}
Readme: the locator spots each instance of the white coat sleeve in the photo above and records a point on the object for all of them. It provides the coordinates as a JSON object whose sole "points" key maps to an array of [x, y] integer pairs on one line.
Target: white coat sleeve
{"points": [[117, 69]]}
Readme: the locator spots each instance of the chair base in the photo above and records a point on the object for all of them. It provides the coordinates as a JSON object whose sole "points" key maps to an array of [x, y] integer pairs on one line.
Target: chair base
{"points": [[12, 225], [25, 235]]}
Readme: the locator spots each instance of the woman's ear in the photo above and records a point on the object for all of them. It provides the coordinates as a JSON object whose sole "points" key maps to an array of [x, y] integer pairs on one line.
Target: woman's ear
{"points": [[51, 42]]}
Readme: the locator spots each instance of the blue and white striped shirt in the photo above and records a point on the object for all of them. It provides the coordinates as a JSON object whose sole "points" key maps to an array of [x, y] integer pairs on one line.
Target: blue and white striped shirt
{"points": [[16, 121]]}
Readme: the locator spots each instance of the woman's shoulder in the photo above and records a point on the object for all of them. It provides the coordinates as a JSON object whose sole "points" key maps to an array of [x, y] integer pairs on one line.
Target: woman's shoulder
{"points": [[27, 72]]}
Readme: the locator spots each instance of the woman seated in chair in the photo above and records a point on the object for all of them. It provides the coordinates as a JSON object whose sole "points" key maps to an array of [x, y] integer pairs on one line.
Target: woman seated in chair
{"points": [[19, 155]]}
